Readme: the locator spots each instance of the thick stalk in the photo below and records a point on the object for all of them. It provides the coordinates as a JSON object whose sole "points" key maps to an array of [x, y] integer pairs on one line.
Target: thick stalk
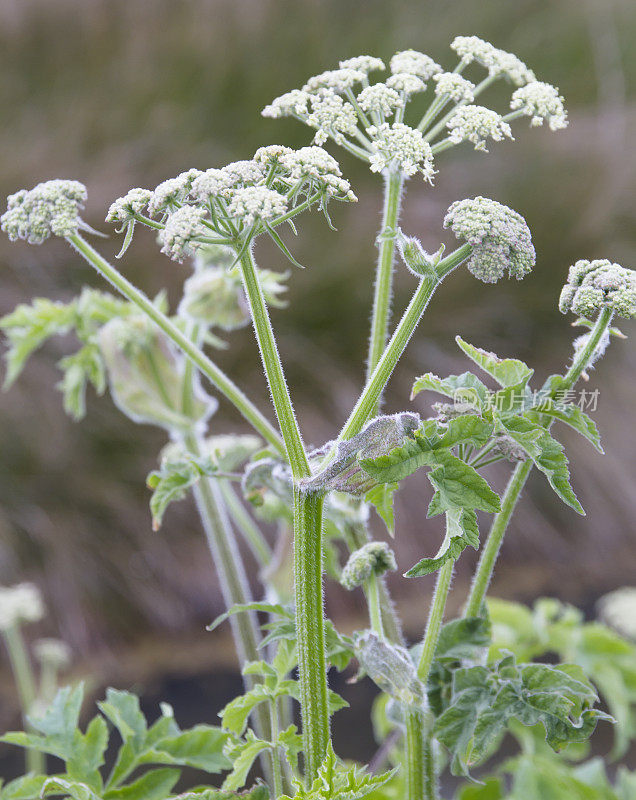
{"points": [[308, 590], [384, 269], [216, 376], [25, 682], [373, 601], [365, 408], [277, 772], [486, 565]]}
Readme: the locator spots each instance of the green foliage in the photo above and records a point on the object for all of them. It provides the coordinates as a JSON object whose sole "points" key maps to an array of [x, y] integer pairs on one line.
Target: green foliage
{"points": [[461, 531], [337, 782], [607, 659], [162, 744], [381, 498], [485, 699], [506, 371]]}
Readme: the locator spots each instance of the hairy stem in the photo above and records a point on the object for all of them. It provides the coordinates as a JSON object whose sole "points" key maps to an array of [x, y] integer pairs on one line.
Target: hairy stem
{"points": [[310, 630], [216, 376], [261, 550], [486, 565], [366, 406], [25, 682], [373, 601], [384, 270]]}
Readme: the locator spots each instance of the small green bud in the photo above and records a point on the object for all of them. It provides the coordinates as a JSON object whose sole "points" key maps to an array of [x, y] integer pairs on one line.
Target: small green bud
{"points": [[373, 558], [417, 260]]}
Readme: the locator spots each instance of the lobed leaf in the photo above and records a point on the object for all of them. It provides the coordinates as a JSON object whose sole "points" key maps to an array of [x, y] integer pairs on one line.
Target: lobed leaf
{"points": [[506, 371]]}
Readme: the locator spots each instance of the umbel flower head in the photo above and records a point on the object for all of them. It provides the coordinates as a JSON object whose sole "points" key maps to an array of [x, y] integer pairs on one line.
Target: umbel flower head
{"points": [[373, 558], [18, 604], [344, 105], [500, 238], [49, 209], [233, 204], [596, 285]]}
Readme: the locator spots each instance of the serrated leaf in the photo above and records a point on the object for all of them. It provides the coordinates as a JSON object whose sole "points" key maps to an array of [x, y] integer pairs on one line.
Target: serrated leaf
{"points": [[485, 699], [381, 498], [122, 709], [172, 482], [462, 638], [506, 371], [546, 453], [243, 757], [458, 485], [235, 714], [88, 754], [467, 428], [573, 416], [461, 531], [74, 789], [200, 747], [83, 367], [466, 388], [153, 785]]}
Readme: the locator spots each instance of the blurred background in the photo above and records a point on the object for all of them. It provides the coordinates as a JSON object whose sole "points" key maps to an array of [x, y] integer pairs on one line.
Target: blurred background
{"points": [[121, 93]]}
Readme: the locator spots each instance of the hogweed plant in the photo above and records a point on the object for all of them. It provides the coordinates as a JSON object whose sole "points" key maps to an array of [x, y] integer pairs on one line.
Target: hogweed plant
{"points": [[449, 700]]}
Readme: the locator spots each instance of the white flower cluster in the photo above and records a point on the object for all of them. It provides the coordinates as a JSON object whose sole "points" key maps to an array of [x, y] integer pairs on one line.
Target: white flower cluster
{"points": [[364, 64], [171, 193], [257, 202], [405, 82], [53, 652], [20, 603], [402, 147], [500, 238], [331, 116], [288, 104], [50, 208], [497, 62], [476, 124], [183, 228], [455, 86], [541, 101], [126, 208], [595, 285], [379, 99], [415, 63], [339, 80]]}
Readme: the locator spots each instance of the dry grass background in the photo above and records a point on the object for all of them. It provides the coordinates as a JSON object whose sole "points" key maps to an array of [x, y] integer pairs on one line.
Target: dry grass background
{"points": [[119, 93]]}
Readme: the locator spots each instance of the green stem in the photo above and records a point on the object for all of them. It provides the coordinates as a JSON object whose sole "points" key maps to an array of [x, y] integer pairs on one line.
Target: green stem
{"points": [[366, 406], [373, 601], [25, 682], [415, 755], [435, 619], [277, 772], [260, 548], [384, 270], [310, 632], [312, 666], [216, 376], [486, 565]]}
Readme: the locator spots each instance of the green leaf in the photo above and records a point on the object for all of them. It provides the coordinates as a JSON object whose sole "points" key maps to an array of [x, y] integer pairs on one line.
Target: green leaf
{"points": [[235, 714], [200, 747], [28, 787], [243, 757], [88, 754], [485, 699], [461, 531], [29, 326], [573, 416], [173, 480], [491, 789], [506, 371], [259, 792], [546, 453], [74, 789], [466, 388], [154, 785], [267, 608], [459, 485], [414, 452], [122, 709], [462, 639], [467, 428], [83, 367], [381, 498]]}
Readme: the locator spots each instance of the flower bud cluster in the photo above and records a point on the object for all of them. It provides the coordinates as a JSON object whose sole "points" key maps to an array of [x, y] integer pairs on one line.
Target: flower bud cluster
{"points": [[476, 124], [541, 101], [398, 147], [497, 62], [20, 603], [500, 238], [595, 285], [49, 209], [455, 86], [52, 652], [373, 558], [126, 208], [415, 63]]}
